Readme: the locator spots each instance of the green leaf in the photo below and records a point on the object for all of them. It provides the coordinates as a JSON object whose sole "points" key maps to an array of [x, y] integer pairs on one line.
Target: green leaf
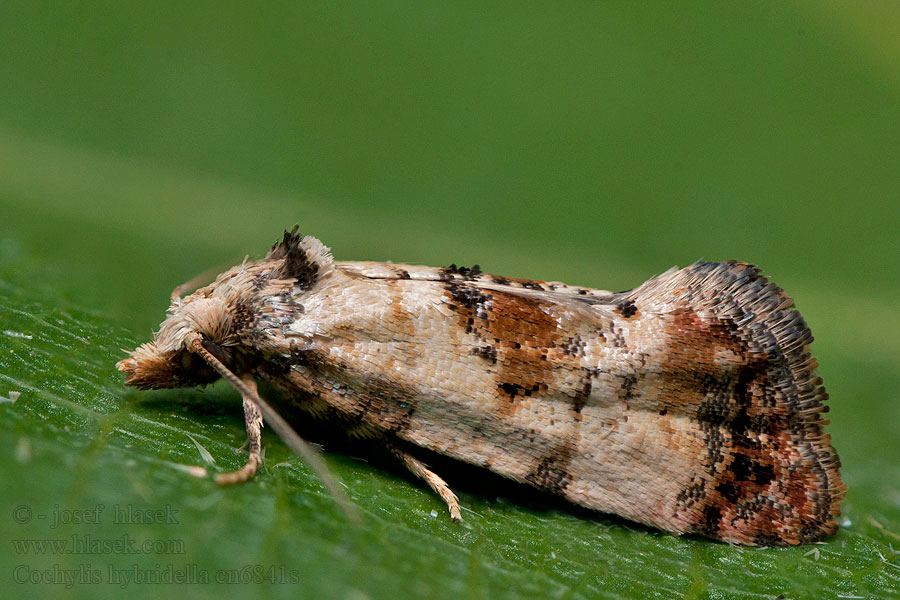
{"points": [[79, 442]]}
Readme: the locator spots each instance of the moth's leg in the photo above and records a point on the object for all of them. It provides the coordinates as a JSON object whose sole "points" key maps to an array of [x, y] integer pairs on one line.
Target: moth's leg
{"points": [[253, 418], [432, 479]]}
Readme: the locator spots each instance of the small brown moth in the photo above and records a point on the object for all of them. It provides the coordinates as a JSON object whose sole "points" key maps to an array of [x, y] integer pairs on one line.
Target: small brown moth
{"points": [[689, 403]]}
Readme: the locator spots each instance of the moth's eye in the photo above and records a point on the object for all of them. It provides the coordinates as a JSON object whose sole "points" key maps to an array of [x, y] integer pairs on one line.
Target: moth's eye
{"points": [[214, 349], [190, 362], [194, 369]]}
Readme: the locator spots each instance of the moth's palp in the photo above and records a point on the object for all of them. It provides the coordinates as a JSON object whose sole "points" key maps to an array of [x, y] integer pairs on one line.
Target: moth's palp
{"points": [[287, 434]]}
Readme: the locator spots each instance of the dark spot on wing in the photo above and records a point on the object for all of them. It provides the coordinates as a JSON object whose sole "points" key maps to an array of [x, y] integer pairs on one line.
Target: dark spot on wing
{"points": [[627, 309], [692, 494], [743, 468], [467, 274], [626, 393], [728, 491], [574, 346], [551, 473], [516, 389], [471, 303], [510, 389], [712, 517], [582, 394], [488, 352]]}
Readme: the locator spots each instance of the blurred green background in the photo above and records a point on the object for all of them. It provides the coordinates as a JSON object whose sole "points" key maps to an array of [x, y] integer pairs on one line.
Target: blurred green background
{"points": [[593, 143]]}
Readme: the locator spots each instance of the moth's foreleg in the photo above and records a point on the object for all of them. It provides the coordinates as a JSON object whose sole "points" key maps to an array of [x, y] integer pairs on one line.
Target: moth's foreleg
{"points": [[275, 421], [253, 418], [432, 479]]}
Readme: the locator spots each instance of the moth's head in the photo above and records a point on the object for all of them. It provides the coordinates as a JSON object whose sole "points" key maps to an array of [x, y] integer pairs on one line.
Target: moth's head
{"points": [[167, 361], [253, 300]]}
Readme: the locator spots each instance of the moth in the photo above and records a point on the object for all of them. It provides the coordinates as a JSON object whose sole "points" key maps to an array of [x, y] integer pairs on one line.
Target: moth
{"points": [[689, 403]]}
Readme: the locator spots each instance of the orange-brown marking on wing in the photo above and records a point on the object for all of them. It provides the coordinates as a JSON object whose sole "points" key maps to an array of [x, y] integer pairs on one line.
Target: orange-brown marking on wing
{"points": [[513, 333], [738, 367]]}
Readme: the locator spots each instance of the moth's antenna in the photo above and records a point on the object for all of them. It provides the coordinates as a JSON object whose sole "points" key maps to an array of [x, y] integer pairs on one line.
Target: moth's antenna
{"points": [[287, 434], [194, 283]]}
